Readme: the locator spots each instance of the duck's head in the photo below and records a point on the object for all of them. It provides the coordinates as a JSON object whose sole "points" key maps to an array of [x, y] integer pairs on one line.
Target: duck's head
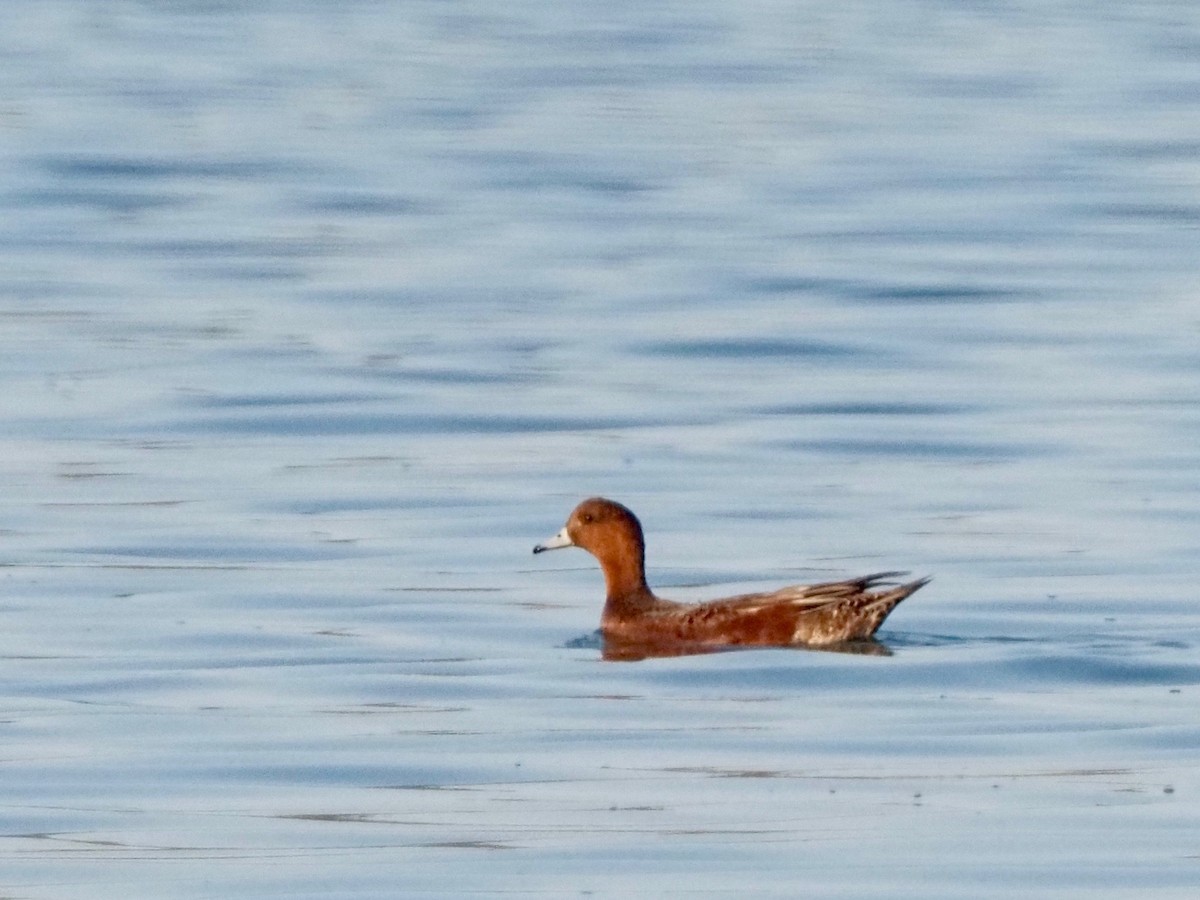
{"points": [[604, 528]]}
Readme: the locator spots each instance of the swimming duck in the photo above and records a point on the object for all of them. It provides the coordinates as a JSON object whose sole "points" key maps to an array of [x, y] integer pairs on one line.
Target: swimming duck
{"points": [[813, 615]]}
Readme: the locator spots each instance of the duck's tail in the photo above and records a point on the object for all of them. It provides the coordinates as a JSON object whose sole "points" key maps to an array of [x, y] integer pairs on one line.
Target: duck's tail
{"points": [[878, 606]]}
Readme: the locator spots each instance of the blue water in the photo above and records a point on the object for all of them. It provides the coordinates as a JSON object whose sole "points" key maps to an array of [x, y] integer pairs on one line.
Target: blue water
{"points": [[315, 318]]}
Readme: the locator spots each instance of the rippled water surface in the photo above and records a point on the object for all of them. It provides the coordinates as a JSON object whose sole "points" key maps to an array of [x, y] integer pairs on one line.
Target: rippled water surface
{"points": [[316, 317]]}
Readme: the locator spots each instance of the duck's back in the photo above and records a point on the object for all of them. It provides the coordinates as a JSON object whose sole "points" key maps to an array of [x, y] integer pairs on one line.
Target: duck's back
{"points": [[817, 614]]}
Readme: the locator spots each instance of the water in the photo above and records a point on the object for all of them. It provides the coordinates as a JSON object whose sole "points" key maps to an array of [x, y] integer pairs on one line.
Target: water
{"points": [[316, 317]]}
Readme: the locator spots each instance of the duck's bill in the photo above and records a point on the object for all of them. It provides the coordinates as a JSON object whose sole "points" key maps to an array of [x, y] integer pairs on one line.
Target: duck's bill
{"points": [[562, 539]]}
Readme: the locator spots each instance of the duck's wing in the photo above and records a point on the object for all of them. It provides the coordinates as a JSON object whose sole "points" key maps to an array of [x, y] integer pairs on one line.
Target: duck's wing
{"points": [[812, 596], [810, 614]]}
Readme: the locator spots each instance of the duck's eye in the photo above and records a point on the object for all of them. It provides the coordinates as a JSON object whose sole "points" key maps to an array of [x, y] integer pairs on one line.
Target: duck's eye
{"points": [[587, 518]]}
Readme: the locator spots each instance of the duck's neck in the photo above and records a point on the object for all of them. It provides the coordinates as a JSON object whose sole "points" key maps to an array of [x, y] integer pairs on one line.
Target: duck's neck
{"points": [[625, 585]]}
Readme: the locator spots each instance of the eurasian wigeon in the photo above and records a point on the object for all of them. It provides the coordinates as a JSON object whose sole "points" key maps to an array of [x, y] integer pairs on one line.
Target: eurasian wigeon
{"points": [[815, 615]]}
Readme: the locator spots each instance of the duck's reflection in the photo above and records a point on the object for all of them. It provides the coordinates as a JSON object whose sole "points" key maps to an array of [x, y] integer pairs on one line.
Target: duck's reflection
{"points": [[617, 650]]}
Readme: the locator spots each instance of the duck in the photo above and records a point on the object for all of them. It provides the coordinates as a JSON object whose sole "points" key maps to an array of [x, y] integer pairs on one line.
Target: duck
{"points": [[821, 615]]}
